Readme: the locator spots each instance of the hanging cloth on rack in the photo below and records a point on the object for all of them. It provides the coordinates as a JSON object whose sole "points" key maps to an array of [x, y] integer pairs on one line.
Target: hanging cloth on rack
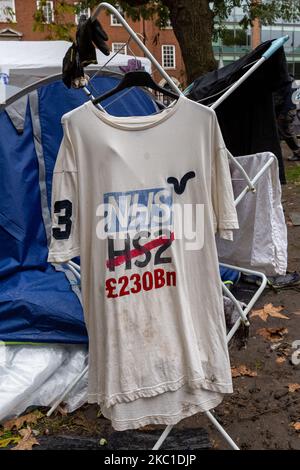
{"points": [[261, 241], [152, 298], [89, 35]]}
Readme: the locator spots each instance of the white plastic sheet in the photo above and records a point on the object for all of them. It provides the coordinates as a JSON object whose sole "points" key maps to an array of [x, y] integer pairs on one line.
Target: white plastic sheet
{"points": [[36, 375]]}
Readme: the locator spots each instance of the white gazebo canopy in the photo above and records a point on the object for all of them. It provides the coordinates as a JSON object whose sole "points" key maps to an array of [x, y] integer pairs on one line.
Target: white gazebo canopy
{"points": [[30, 61]]}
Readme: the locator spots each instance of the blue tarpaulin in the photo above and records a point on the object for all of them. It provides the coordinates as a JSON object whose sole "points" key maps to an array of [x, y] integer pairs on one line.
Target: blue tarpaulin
{"points": [[38, 303]]}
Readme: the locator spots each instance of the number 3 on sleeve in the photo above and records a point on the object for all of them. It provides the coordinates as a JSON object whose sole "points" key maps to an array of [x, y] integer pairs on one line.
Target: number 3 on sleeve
{"points": [[63, 219]]}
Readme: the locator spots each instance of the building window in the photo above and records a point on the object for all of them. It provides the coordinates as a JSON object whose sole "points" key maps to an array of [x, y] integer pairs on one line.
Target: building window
{"points": [[168, 57], [47, 10], [81, 11], [114, 21], [7, 11], [119, 47]]}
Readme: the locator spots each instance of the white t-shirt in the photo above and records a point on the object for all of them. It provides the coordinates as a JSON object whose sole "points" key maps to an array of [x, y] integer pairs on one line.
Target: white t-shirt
{"points": [[128, 193]]}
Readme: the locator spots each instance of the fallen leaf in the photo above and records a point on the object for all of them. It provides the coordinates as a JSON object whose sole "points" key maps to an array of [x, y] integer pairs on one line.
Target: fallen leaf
{"points": [[280, 360], [261, 313], [28, 440], [296, 425], [30, 418], [293, 387], [269, 310], [9, 440], [275, 311], [242, 370], [273, 334]]}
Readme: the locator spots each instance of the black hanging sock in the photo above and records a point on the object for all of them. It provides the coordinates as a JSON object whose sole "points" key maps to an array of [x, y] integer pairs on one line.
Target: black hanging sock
{"points": [[82, 52]]}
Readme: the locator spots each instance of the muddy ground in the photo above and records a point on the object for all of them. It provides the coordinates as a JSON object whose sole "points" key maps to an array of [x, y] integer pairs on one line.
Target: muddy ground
{"points": [[261, 413]]}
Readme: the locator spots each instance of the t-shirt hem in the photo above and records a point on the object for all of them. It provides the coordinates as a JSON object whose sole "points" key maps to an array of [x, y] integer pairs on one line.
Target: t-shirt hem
{"points": [[232, 224], [129, 396], [62, 257], [191, 409], [225, 229]]}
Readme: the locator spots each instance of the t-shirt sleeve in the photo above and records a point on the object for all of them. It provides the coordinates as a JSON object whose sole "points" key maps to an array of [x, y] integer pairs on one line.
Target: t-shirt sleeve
{"points": [[64, 204], [224, 211]]}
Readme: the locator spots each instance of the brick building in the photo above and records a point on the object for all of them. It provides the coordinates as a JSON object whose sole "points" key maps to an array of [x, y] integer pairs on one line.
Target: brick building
{"points": [[16, 23]]}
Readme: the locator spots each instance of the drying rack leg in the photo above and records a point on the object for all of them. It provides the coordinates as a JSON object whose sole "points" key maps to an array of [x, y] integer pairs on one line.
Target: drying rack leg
{"points": [[67, 391], [163, 437], [222, 431]]}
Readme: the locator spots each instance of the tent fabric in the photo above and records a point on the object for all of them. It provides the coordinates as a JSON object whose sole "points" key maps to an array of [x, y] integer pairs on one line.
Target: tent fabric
{"points": [[229, 276], [32, 54], [30, 61], [17, 113], [41, 54], [39, 306], [37, 302], [247, 117]]}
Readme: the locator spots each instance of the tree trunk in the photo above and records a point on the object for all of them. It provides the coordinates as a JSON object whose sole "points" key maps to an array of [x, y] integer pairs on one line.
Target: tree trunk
{"points": [[192, 22]]}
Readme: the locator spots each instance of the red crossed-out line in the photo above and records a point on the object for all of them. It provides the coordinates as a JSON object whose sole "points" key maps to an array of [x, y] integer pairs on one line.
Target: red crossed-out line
{"points": [[118, 260]]}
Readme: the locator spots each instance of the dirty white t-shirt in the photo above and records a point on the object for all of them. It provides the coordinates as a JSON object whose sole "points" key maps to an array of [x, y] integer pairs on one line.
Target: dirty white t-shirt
{"points": [[129, 194]]}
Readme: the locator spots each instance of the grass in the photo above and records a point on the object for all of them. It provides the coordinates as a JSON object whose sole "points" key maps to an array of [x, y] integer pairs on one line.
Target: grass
{"points": [[293, 174]]}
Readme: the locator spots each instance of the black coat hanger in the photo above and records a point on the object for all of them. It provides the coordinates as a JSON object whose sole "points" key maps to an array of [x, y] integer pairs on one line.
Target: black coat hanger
{"points": [[136, 78]]}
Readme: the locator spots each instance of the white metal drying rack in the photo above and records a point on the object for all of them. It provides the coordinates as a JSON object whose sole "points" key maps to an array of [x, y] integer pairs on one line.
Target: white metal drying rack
{"points": [[249, 187]]}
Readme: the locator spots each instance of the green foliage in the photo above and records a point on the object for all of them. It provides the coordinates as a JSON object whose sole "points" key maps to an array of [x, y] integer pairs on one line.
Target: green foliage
{"points": [[7, 438], [61, 28], [267, 11], [232, 37]]}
